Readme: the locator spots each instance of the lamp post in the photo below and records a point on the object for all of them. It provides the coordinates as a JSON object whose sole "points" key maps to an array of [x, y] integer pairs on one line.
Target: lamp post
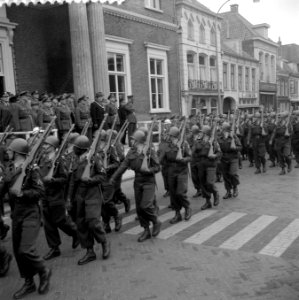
{"points": [[218, 61]]}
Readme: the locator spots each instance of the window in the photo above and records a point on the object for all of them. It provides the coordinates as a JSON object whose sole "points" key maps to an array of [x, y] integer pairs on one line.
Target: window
{"points": [[154, 4], [267, 73], [213, 69], [214, 106], [202, 34], [286, 89], [117, 75], [272, 68], [261, 66], [253, 78], [240, 78], [158, 79], [246, 79], [225, 76], [191, 66], [213, 36], [202, 67], [190, 30], [292, 87], [282, 91], [233, 77]]}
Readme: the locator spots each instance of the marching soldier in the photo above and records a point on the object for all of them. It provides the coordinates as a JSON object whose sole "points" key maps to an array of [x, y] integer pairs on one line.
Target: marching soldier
{"points": [[177, 175], [87, 195], [144, 184], [26, 221], [270, 148], [53, 204], [229, 160], [82, 115], [64, 117], [207, 151], [111, 110], [295, 137]]}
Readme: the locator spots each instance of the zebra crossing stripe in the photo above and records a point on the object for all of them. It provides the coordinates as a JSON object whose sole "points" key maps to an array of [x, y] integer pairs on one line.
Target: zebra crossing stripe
{"points": [[174, 229], [283, 240], [122, 210], [138, 229], [205, 234], [246, 234]]}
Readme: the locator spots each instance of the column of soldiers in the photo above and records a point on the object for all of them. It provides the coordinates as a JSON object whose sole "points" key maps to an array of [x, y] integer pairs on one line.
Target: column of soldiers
{"points": [[76, 177]]}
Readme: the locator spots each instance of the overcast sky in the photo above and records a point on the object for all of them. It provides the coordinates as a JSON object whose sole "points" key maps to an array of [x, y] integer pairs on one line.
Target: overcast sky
{"points": [[281, 15]]}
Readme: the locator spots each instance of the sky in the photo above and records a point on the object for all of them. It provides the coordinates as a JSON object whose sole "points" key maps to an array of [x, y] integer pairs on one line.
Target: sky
{"points": [[281, 15]]}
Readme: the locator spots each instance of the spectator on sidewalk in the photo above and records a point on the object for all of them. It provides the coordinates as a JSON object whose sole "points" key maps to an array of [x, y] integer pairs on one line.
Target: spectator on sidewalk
{"points": [[97, 111], [131, 117]]}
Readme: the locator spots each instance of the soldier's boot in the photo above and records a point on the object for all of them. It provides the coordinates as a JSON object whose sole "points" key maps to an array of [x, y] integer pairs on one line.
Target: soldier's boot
{"points": [[5, 264], [118, 223], [296, 166], [167, 194], [258, 171], [177, 218], [227, 195], [251, 165], [106, 247], [4, 230], [197, 194], [88, 257], [264, 168], [188, 213], [127, 205], [28, 288], [156, 228], [76, 241], [44, 281], [235, 192], [216, 198], [289, 162], [282, 172], [54, 252], [146, 234], [107, 227], [272, 164], [207, 205], [219, 178]]}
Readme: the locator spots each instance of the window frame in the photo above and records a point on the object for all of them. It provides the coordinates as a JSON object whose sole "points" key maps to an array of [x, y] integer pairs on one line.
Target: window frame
{"points": [[147, 4], [233, 76]]}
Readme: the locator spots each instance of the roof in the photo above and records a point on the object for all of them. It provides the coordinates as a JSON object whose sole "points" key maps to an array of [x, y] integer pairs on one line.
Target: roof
{"points": [[238, 27], [196, 4], [227, 50]]}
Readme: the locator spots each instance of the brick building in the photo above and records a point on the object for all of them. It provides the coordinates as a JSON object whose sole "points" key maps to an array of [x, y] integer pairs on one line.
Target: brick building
{"points": [[85, 48]]}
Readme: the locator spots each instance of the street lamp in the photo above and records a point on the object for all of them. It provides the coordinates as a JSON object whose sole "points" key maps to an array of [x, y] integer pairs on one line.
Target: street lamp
{"points": [[218, 61]]}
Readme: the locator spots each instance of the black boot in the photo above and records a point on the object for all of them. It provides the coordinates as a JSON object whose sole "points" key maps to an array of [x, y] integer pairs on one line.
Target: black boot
{"points": [[5, 264], [76, 241], [118, 223], [177, 218], [258, 171], [28, 288], [107, 227], [4, 231], [216, 198], [54, 252], [235, 192], [188, 213], [89, 256], [227, 195], [146, 234], [207, 205], [44, 281], [106, 249], [167, 194], [264, 169], [282, 172], [289, 166], [127, 204], [156, 228]]}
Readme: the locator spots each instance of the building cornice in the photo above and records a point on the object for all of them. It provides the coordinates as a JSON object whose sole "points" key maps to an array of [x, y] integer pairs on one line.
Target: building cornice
{"points": [[240, 57], [133, 16], [264, 40], [117, 39], [156, 46]]}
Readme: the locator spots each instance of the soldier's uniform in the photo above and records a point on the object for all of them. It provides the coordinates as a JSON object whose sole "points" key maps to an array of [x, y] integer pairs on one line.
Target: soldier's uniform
{"points": [[5, 259], [63, 120], [45, 116], [295, 138], [270, 146], [22, 117], [82, 115]]}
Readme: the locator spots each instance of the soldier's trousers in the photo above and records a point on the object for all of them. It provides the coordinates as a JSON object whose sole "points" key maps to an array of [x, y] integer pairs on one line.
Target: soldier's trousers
{"points": [[271, 151], [283, 153], [55, 218], [131, 130], [295, 148], [25, 228], [207, 178], [230, 173], [118, 193], [108, 207], [194, 176], [259, 153], [178, 188], [89, 228], [164, 171], [144, 190], [250, 154]]}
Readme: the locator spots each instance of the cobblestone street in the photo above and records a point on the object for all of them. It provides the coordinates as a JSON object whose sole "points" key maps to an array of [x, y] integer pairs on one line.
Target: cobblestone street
{"points": [[246, 248]]}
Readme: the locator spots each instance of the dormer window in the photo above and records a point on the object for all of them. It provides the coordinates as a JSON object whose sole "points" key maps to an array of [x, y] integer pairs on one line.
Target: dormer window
{"points": [[153, 4]]}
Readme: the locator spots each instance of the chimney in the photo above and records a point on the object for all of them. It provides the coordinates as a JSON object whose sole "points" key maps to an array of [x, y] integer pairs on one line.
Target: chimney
{"points": [[262, 29], [234, 8]]}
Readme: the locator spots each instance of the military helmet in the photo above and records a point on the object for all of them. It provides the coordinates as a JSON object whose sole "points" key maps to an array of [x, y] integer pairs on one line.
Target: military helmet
{"points": [[19, 145], [103, 135], [139, 136], [167, 122], [257, 115], [72, 137], [174, 132], [52, 140], [272, 114], [82, 142], [114, 133], [195, 129], [225, 126], [284, 114], [144, 129], [206, 129]]}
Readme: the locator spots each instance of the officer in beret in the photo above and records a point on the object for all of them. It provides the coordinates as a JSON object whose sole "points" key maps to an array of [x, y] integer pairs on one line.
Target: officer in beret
{"points": [[97, 111]]}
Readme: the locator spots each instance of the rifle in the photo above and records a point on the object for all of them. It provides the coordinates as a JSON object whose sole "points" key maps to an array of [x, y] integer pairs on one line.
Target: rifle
{"points": [[287, 133], [179, 155], [211, 141], [144, 165], [5, 134], [58, 154], [120, 133], [34, 138], [85, 128], [92, 150], [238, 125], [107, 146], [262, 121], [18, 184], [232, 133]]}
